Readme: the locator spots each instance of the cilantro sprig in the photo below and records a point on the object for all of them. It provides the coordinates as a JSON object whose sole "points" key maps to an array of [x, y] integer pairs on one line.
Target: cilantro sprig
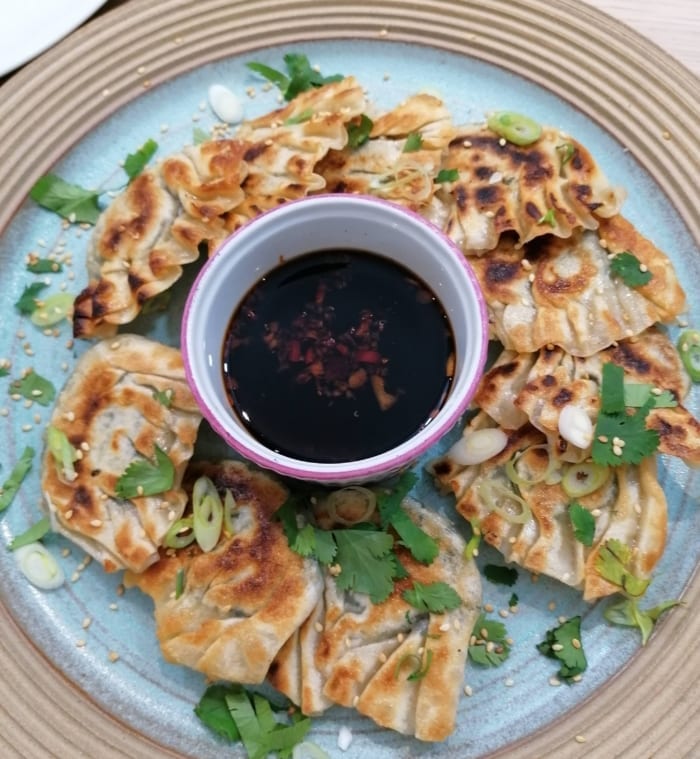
{"points": [[34, 387], [627, 613], [500, 575], [136, 162], [582, 522], [614, 564], [239, 715], [629, 269], [563, 643], [359, 133], [300, 77], [435, 597], [621, 437], [489, 644], [28, 301], [143, 477], [414, 142]]}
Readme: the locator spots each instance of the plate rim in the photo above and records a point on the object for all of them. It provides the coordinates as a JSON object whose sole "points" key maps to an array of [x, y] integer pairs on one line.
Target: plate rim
{"points": [[121, 81]]}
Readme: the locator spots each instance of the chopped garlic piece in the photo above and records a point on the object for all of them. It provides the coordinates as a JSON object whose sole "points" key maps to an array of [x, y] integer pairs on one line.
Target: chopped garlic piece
{"points": [[478, 446], [225, 104], [575, 426]]}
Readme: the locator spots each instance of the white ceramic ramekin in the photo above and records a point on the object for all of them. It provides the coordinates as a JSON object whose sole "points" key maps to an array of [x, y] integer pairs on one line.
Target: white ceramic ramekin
{"points": [[317, 223]]}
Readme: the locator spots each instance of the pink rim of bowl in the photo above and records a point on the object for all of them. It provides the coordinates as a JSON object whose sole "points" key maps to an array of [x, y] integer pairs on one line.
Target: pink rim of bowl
{"points": [[315, 223]]}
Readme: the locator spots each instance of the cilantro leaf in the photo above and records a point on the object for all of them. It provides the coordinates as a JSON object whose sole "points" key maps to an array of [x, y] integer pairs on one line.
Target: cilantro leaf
{"points": [[358, 134], [627, 267], [325, 547], [301, 75], [164, 397], [71, 201], [414, 142], [213, 711], [305, 541], [422, 546], [583, 523], [143, 477], [136, 162], [501, 575], [27, 302], [4, 371], [548, 218], [563, 643], [366, 561], [44, 266], [513, 600], [447, 175], [638, 393], [613, 563], [639, 441], [628, 614], [34, 387], [491, 646], [17, 475], [435, 598], [34, 533]]}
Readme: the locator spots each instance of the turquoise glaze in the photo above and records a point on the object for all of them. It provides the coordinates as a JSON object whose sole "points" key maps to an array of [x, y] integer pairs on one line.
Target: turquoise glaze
{"points": [[156, 698]]}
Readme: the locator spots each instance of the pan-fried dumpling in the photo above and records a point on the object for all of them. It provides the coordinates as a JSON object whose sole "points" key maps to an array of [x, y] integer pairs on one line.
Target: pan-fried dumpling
{"points": [[536, 387], [552, 186], [561, 292], [349, 650], [387, 164], [242, 600], [526, 516], [111, 415]]}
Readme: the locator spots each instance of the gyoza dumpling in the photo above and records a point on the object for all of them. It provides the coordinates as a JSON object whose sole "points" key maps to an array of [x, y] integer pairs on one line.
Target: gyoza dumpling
{"points": [[561, 292], [242, 600], [349, 650], [524, 513], [383, 165], [536, 387], [552, 186], [110, 413]]}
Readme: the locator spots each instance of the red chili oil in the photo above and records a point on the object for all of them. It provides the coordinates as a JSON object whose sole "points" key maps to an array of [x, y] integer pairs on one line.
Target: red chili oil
{"points": [[338, 355]]}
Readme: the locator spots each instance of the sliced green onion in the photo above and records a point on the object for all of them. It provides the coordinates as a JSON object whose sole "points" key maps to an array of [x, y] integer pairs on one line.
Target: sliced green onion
{"points": [[208, 513], [689, 349], [514, 127], [64, 454], [180, 534], [520, 481], [230, 512], [414, 658], [309, 750], [39, 566], [493, 492], [179, 583], [582, 479], [35, 533], [472, 548], [17, 475], [351, 505], [53, 309]]}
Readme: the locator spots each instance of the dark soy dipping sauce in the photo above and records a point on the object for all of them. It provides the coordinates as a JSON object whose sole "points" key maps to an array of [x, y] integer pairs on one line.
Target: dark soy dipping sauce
{"points": [[337, 355]]}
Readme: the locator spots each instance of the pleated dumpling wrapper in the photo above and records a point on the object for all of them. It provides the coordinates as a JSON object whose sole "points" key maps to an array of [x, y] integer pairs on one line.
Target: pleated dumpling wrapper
{"points": [[126, 402], [518, 502], [538, 387], [240, 601], [552, 186], [353, 652], [564, 292]]}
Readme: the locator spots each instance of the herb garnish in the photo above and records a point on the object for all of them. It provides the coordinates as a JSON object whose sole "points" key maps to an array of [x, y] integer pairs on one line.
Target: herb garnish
{"points": [[447, 175], [501, 575], [615, 424], [548, 218], [629, 269], [164, 397], [199, 136], [301, 76], [563, 643], [613, 563], [136, 162], [27, 302], [34, 533], [414, 142], [17, 475], [358, 134], [143, 477], [44, 266], [237, 714], [300, 118], [638, 393], [435, 598], [489, 644], [421, 665], [34, 387], [627, 613], [689, 350], [583, 523]]}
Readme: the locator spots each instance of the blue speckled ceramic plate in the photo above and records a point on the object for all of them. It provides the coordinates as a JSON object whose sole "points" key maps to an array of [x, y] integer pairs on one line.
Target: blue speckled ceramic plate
{"points": [[79, 626]]}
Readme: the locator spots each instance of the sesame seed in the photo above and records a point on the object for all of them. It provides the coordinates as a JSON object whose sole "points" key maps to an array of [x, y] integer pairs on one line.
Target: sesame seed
{"points": [[643, 268], [484, 633], [467, 144], [577, 678], [489, 214], [502, 142], [444, 627], [68, 514], [509, 682], [510, 641], [552, 605], [531, 277], [86, 623], [603, 243], [96, 523], [503, 613], [490, 646], [576, 643], [4, 411], [666, 134], [383, 32], [80, 643], [356, 701], [457, 625], [554, 681], [113, 607], [116, 344], [75, 577], [85, 446], [26, 427], [113, 656], [18, 397], [382, 657], [603, 438], [596, 512], [468, 690], [562, 619], [580, 739], [617, 450], [318, 627], [65, 552], [400, 637], [557, 647], [656, 391]]}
